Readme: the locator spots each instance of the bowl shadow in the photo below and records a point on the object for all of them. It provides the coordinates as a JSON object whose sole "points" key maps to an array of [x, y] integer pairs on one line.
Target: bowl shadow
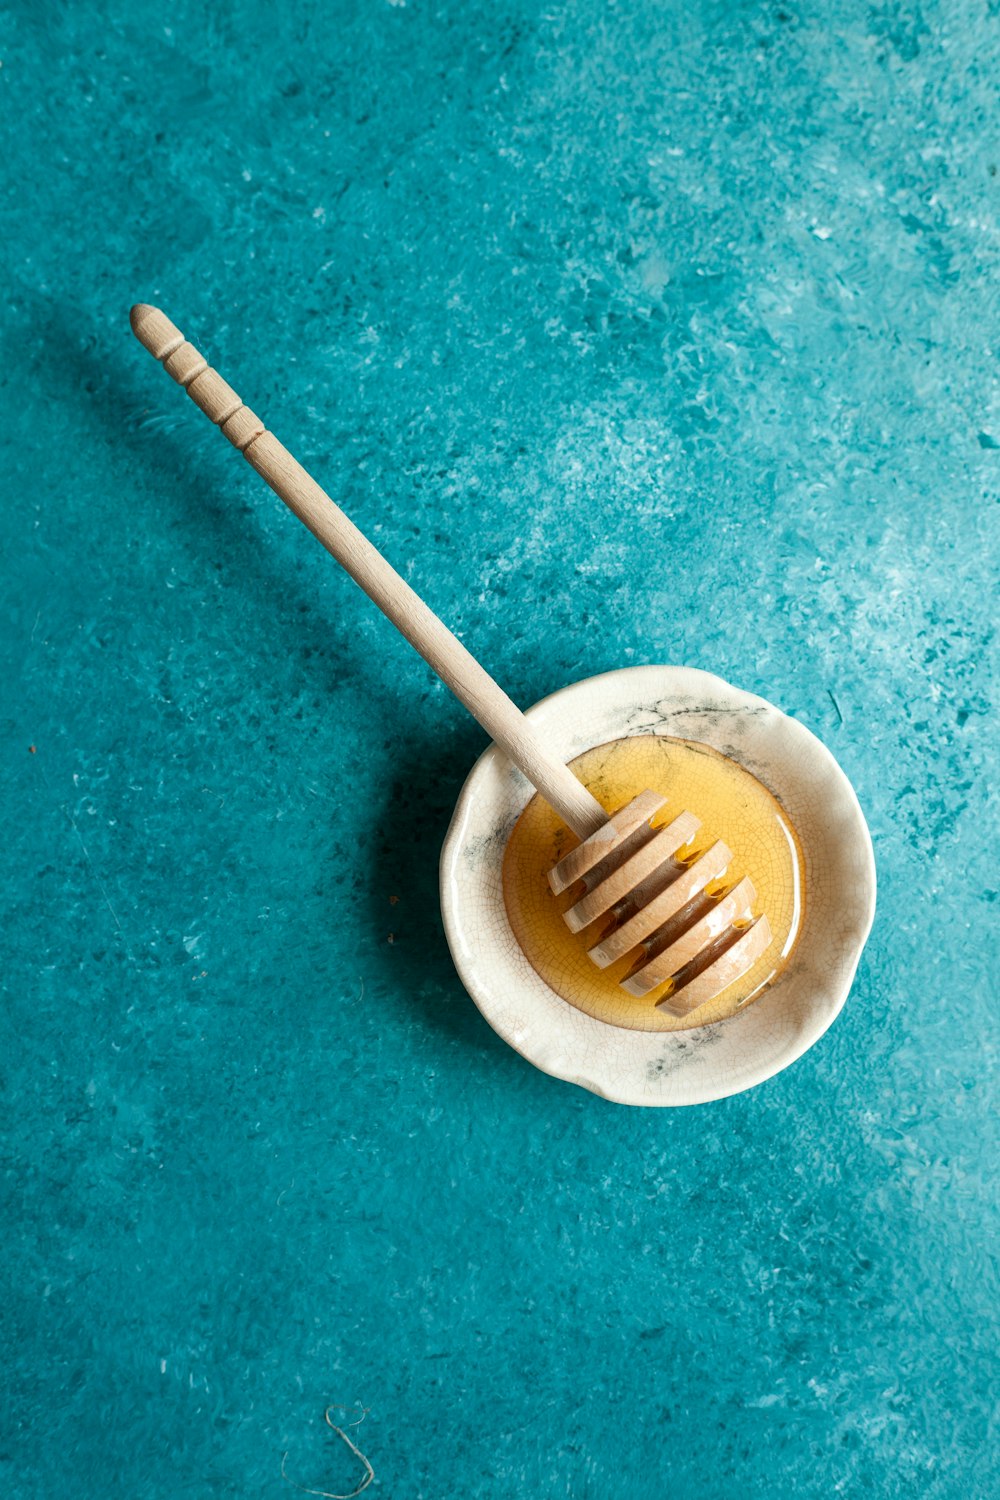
{"points": [[404, 888]]}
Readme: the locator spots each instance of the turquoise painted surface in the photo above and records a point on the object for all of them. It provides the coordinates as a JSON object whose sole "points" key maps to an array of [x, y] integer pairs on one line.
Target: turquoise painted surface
{"points": [[647, 332]]}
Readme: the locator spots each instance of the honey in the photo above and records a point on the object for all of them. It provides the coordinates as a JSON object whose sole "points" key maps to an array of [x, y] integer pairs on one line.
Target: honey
{"points": [[731, 805]]}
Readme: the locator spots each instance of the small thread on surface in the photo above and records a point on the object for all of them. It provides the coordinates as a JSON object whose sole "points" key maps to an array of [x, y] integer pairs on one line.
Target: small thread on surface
{"points": [[369, 1471]]}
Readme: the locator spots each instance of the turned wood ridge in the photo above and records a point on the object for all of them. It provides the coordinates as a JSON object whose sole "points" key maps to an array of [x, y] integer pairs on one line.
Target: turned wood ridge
{"points": [[458, 669]]}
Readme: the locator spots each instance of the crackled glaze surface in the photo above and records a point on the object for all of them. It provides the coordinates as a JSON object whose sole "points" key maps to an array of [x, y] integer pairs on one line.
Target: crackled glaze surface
{"points": [[727, 1056]]}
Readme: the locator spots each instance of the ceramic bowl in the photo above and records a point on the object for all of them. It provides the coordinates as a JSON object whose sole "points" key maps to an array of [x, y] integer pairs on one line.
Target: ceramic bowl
{"points": [[707, 1062]]}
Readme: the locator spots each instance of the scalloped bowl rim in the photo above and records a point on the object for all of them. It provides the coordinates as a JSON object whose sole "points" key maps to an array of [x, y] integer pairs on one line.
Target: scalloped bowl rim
{"points": [[704, 1063]]}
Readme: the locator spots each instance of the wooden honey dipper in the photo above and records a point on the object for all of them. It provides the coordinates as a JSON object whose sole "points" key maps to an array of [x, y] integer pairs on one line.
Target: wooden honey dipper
{"points": [[635, 895]]}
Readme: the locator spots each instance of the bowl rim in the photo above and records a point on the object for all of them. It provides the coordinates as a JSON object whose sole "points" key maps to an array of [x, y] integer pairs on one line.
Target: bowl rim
{"points": [[564, 1043]]}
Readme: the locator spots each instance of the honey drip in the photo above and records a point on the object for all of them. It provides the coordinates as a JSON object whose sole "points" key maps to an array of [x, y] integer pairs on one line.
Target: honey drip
{"points": [[731, 804]]}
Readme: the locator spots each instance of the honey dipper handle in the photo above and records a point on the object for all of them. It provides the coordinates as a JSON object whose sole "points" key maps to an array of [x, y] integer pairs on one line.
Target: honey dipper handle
{"points": [[488, 703]]}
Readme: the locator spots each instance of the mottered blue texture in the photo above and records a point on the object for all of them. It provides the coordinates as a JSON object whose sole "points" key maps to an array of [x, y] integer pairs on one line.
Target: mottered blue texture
{"points": [[647, 332]]}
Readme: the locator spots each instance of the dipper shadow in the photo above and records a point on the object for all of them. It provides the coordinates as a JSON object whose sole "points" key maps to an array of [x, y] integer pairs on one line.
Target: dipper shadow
{"points": [[189, 479]]}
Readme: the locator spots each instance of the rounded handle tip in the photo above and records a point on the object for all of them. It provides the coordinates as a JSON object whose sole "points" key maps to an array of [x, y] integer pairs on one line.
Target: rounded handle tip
{"points": [[154, 330], [139, 314]]}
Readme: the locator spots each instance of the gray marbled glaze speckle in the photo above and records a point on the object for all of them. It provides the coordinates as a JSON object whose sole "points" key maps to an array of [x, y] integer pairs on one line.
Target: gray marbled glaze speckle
{"points": [[685, 1067]]}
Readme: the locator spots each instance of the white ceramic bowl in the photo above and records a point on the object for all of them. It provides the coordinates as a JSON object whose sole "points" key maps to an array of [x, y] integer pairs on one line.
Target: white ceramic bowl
{"points": [[708, 1062]]}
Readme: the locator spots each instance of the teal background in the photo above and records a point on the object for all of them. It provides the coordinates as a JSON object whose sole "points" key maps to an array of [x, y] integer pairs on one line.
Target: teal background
{"points": [[633, 333]]}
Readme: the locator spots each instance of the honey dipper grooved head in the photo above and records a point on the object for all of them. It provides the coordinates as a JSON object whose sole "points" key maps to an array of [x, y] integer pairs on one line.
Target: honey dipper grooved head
{"points": [[643, 902]]}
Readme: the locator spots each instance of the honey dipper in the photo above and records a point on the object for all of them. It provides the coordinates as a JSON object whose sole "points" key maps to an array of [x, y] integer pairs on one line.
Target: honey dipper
{"points": [[635, 894]]}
